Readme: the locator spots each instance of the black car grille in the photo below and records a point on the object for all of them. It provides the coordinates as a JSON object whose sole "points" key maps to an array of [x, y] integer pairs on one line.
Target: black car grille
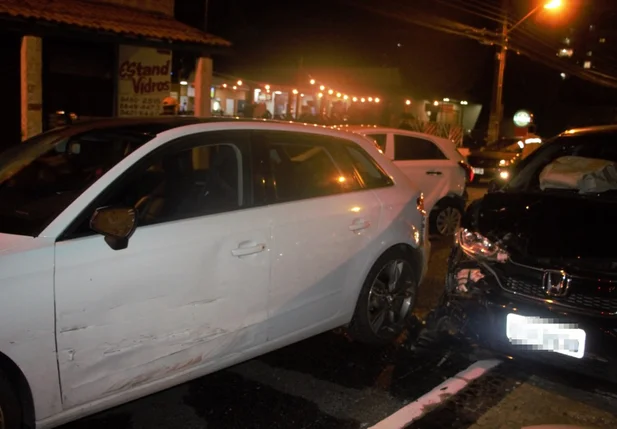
{"points": [[577, 299]]}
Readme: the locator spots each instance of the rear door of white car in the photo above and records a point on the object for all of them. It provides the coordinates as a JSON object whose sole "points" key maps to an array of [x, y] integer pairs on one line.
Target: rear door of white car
{"points": [[426, 165], [190, 289], [322, 224]]}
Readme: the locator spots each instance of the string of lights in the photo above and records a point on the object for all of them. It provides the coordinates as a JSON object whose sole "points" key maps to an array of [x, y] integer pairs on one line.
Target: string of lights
{"points": [[318, 88]]}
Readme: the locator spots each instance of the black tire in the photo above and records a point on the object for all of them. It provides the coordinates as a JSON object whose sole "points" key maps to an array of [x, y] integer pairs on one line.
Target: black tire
{"points": [[10, 408], [360, 328], [442, 209]]}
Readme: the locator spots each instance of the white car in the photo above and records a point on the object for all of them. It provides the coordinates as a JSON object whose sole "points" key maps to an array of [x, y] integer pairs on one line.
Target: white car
{"points": [[434, 164], [138, 254]]}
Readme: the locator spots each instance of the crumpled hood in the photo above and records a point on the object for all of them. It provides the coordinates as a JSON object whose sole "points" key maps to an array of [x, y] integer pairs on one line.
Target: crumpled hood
{"points": [[549, 225]]}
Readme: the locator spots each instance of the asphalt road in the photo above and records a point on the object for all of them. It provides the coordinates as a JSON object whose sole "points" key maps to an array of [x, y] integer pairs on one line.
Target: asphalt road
{"points": [[330, 382]]}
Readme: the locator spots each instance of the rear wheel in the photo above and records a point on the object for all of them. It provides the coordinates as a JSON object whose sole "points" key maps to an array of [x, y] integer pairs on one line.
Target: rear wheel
{"points": [[445, 219], [10, 410], [386, 300]]}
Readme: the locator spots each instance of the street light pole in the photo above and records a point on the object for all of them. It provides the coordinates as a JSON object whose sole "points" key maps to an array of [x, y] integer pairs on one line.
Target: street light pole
{"points": [[494, 129], [496, 116]]}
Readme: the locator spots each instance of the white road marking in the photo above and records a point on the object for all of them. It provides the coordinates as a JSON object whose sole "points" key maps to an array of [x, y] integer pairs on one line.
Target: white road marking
{"points": [[437, 396]]}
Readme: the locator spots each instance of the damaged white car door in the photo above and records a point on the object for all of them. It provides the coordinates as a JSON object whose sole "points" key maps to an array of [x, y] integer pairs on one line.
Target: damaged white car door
{"points": [[189, 291]]}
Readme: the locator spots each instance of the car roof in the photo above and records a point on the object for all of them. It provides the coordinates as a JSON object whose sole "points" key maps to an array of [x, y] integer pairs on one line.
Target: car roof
{"points": [[445, 144], [381, 129], [156, 125]]}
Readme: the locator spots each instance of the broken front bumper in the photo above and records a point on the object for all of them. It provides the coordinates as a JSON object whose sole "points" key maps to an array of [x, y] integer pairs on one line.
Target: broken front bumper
{"points": [[477, 289]]}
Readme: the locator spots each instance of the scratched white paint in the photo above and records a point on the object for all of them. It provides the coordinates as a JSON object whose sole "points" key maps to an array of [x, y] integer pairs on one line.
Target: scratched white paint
{"points": [[176, 303], [172, 300], [27, 315]]}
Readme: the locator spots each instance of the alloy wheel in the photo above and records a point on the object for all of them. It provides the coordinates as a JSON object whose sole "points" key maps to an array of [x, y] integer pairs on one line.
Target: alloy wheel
{"points": [[448, 220], [391, 297]]}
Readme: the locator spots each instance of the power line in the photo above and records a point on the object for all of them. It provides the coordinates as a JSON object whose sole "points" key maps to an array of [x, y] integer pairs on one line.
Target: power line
{"points": [[524, 40]]}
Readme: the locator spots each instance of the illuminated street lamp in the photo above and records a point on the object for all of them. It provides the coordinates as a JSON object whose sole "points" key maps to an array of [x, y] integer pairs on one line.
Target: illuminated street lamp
{"points": [[312, 81], [496, 108]]}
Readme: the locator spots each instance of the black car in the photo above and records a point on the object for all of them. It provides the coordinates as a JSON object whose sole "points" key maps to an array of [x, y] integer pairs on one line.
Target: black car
{"points": [[534, 268], [495, 160]]}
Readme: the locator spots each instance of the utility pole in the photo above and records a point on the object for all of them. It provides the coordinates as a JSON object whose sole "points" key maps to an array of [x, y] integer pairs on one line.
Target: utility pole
{"points": [[494, 127], [207, 6]]}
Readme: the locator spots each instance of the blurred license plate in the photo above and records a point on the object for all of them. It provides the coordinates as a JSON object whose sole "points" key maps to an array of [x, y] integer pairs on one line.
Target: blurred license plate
{"points": [[544, 334], [478, 170]]}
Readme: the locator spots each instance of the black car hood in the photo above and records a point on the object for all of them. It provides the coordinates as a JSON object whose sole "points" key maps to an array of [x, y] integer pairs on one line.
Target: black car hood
{"points": [[550, 226]]}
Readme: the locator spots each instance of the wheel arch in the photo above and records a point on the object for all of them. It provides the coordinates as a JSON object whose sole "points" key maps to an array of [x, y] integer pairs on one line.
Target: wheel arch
{"points": [[449, 200], [416, 258], [20, 384]]}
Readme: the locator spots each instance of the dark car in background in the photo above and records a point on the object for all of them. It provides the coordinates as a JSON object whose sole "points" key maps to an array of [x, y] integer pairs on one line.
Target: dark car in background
{"points": [[494, 160], [534, 268]]}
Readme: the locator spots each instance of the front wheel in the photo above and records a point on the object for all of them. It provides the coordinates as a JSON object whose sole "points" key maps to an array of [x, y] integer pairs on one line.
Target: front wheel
{"points": [[386, 300], [446, 219], [10, 411]]}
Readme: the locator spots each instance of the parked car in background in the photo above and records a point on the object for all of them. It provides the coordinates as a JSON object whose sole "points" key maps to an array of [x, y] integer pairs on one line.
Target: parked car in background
{"points": [[534, 270], [495, 160], [434, 164], [138, 254]]}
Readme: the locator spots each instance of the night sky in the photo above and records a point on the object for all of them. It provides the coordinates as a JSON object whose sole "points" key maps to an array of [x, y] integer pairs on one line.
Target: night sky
{"points": [[433, 64]]}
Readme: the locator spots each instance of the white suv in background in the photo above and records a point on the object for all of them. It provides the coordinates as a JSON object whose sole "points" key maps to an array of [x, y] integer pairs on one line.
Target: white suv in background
{"points": [[433, 164]]}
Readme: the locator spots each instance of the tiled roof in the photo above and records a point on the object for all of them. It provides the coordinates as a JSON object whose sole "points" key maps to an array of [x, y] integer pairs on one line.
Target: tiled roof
{"points": [[109, 18]]}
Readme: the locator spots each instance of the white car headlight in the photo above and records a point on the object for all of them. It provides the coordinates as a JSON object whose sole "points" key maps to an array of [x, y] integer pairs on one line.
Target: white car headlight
{"points": [[478, 246]]}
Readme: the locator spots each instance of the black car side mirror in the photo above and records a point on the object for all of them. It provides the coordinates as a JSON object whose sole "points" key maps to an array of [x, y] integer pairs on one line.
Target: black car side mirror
{"points": [[117, 224]]}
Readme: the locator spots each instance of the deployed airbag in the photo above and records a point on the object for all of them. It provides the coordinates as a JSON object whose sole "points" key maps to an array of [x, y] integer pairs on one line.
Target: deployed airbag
{"points": [[587, 175]]}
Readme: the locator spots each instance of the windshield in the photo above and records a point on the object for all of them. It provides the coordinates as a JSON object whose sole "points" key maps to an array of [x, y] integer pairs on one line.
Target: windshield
{"points": [[505, 145], [526, 177], [44, 175]]}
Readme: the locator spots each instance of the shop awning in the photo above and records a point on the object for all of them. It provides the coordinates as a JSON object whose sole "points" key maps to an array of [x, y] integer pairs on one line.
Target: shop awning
{"points": [[105, 19]]}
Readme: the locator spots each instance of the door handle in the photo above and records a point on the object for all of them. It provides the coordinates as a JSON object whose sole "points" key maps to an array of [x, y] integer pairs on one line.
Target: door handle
{"points": [[245, 251], [359, 225], [434, 173]]}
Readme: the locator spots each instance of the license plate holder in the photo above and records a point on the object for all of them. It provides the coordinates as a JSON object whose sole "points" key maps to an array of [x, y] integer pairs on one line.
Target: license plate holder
{"points": [[479, 171], [544, 334]]}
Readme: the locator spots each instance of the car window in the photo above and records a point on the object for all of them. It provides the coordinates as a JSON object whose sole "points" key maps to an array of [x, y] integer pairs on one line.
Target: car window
{"points": [[380, 139], [196, 176], [302, 166], [526, 176], [407, 148], [40, 183], [367, 168]]}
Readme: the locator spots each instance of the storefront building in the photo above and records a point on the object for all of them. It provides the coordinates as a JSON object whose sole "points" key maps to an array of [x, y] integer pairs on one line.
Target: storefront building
{"points": [[96, 58]]}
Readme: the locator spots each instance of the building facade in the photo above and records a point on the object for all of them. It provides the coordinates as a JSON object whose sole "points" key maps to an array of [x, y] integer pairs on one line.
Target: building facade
{"points": [[95, 58]]}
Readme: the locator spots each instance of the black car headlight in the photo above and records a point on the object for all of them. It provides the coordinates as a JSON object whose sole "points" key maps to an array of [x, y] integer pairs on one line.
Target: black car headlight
{"points": [[478, 246]]}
